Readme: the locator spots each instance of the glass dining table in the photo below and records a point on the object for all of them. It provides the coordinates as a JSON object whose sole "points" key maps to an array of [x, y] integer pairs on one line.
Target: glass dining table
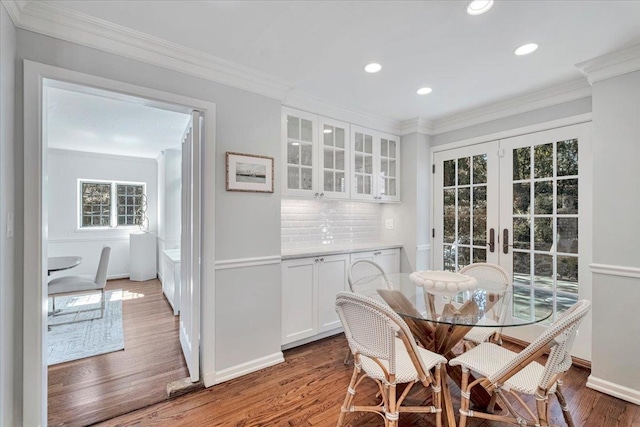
{"points": [[440, 308]]}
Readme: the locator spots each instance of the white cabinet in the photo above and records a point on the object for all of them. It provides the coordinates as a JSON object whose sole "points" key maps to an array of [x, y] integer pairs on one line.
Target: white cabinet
{"points": [[142, 256], [375, 162], [388, 259], [316, 150], [170, 267], [309, 288]]}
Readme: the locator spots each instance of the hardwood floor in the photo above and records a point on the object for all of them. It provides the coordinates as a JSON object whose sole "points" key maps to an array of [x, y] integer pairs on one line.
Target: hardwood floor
{"points": [[308, 390], [86, 391]]}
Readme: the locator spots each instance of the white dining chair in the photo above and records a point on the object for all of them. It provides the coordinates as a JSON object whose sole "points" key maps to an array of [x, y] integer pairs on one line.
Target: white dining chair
{"points": [[74, 285], [494, 279], [506, 374], [385, 351]]}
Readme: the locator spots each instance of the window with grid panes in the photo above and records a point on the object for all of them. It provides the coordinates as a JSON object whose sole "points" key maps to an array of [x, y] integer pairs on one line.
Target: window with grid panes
{"points": [[130, 200], [96, 204]]}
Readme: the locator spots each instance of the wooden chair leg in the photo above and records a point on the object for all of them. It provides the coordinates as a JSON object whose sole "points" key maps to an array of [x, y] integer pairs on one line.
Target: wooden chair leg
{"points": [[348, 358], [351, 392], [392, 413], [543, 411], [464, 397], [563, 405]]}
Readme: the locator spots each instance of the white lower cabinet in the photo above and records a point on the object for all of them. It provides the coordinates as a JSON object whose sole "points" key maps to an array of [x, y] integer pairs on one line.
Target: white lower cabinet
{"points": [[388, 259], [309, 288]]}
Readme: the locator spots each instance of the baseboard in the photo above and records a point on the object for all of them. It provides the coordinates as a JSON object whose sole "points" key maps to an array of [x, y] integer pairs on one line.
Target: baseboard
{"points": [[242, 369], [313, 338], [615, 390]]}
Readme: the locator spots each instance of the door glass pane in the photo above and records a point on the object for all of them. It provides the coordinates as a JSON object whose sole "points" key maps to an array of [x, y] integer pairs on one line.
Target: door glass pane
{"points": [[480, 169], [339, 137], [521, 198], [449, 173], [306, 154], [521, 233], [368, 144], [449, 258], [543, 202], [340, 182], [360, 184], [391, 187], [306, 130], [359, 163], [542, 234], [543, 270], [543, 160], [367, 185], [521, 302], [392, 149], [306, 178], [328, 158], [328, 181], [293, 153], [293, 178], [464, 220], [480, 216], [328, 135], [384, 167], [449, 215], [568, 157], [542, 300], [567, 274], [359, 145], [464, 257], [563, 302], [522, 268], [392, 168], [339, 160], [479, 255], [521, 163], [567, 190], [463, 171], [568, 235], [368, 164], [384, 147], [293, 127]]}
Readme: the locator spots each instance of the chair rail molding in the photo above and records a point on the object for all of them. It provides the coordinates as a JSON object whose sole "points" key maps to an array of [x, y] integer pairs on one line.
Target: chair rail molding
{"points": [[247, 262], [615, 270], [615, 390], [611, 64], [422, 248], [213, 378]]}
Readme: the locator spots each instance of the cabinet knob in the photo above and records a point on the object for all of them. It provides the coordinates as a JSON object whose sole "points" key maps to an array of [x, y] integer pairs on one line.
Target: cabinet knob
{"points": [[316, 195], [321, 259], [377, 253], [317, 260], [321, 194]]}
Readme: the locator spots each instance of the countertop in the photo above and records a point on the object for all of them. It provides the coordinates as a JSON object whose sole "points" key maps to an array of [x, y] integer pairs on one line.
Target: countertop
{"points": [[336, 249]]}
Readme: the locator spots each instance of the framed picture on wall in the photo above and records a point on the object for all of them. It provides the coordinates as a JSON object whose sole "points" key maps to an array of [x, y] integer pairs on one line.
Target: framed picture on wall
{"points": [[248, 172]]}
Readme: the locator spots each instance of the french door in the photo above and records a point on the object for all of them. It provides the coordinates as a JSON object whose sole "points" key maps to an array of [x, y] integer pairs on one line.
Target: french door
{"points": [[523, 203]]}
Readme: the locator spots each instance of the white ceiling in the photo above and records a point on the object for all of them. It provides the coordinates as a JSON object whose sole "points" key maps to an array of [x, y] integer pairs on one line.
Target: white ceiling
{"points": [[321, 47], [92, 123]]}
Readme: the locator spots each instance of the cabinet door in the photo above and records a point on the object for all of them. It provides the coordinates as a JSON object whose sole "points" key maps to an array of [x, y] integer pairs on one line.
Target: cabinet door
{"points": [[363, 164], [388, 259], [332, 278], [300, 136], [299, 301], [334, 149], [388, 170]]}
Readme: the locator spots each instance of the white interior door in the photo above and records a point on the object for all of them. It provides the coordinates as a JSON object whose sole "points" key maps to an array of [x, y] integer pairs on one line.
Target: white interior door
{"points": [[538, 203], [190, 246]]}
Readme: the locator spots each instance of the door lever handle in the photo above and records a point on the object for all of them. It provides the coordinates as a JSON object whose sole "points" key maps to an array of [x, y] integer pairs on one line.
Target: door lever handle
{"points": [[505, 241], [492, 240]]}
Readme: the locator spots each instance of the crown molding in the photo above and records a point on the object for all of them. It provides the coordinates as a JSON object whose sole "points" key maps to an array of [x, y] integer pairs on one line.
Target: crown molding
{"points": [[416, 125], [14, 9], [611, 64], [565, 92], [311, 104], [55, 21]]}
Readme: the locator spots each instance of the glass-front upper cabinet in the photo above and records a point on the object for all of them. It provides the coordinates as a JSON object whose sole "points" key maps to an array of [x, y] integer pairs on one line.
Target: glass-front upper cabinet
{"points": [[388, 176], [376, 166], [300, 133], [334, 177], [317, 152]]}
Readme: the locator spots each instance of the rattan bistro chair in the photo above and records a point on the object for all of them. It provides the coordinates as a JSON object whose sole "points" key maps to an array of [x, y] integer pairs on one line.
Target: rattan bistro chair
{"points": [[505, 373], [366, 277], [494, 278], [385, 351]]}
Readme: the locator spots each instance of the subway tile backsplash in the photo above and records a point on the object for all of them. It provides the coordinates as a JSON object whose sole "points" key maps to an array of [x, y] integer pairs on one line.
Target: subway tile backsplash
{"points": [[309, 223]]}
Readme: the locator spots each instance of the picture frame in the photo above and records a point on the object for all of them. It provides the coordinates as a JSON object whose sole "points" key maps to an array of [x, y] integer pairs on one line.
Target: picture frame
{"points": [[249, 172]]}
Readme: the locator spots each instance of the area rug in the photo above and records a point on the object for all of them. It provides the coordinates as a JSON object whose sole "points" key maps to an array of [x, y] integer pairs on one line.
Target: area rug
{"points": [[85, 339]]}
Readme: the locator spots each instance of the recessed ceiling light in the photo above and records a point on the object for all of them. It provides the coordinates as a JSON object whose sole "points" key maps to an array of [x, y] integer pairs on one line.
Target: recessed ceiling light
{"points": [[327, 131], [526, 49], [478, 7], [373, 67], [424, 91]]}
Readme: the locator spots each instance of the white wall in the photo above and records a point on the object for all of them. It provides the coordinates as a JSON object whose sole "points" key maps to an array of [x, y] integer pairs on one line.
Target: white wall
{"points": [[247, 224], [8, 311], [616, 236], [65, 238], [412, 216], [169, 202]]}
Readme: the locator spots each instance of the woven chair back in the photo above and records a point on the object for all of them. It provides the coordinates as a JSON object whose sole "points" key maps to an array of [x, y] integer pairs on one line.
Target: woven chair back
{"points": [[366, 277]]}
